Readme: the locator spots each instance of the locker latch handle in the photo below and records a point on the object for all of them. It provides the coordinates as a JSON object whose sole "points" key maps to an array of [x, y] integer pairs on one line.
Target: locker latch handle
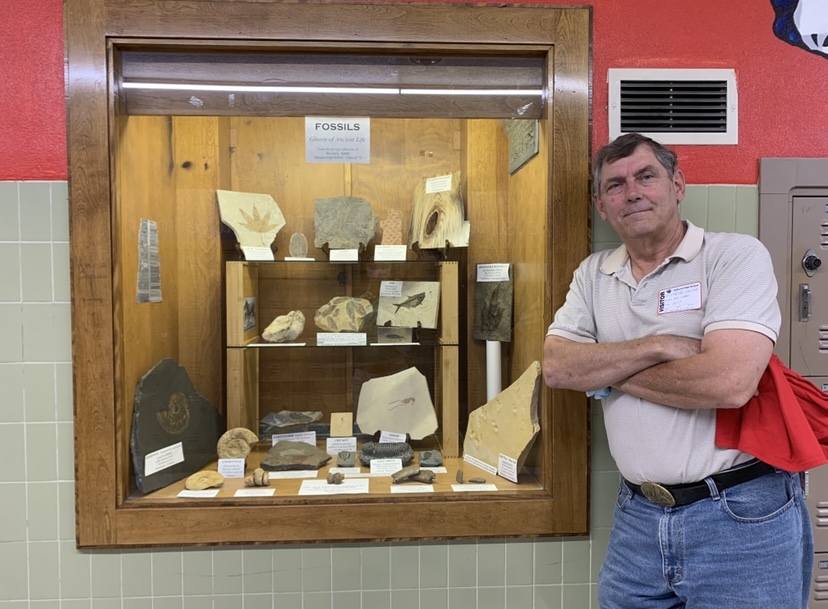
{"points": [[804, 301]]}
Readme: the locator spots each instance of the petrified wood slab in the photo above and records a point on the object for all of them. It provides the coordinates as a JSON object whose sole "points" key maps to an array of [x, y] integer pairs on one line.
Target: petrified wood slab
{"points": [[437, 216], [168, 411], [287, 455]]}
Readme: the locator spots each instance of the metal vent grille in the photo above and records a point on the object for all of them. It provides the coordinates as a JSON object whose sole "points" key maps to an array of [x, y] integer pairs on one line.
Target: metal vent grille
{"points": [[674, 106]]}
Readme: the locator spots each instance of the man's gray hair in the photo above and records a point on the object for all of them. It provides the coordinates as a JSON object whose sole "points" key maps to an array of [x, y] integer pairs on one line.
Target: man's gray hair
{"points": [[622, 147]]}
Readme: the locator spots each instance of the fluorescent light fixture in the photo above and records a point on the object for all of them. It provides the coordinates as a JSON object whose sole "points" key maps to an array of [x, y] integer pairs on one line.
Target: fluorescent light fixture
{"points": [[172, 86], [504, 92]]}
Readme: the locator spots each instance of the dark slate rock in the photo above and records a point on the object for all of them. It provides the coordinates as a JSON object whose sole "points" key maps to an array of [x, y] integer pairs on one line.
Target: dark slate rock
{"points": [[168, 410]]}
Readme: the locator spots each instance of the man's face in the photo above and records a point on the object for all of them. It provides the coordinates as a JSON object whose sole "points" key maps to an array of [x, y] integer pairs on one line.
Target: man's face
{"points": [[637, 196]]}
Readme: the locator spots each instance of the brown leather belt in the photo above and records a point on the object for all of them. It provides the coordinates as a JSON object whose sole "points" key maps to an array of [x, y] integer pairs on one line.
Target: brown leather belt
{"points": [[676, 495]]}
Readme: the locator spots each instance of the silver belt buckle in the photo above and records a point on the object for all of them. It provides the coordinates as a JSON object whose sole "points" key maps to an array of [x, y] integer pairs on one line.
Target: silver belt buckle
{"points": [[658, 494]]}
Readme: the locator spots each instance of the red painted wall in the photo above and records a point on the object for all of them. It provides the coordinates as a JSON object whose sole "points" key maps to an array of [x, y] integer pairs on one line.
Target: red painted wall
{"points": [[783, 91]]}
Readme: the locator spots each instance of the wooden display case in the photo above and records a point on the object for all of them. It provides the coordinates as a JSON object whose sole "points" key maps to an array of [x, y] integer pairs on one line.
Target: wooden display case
{"points": [[169, 101]]}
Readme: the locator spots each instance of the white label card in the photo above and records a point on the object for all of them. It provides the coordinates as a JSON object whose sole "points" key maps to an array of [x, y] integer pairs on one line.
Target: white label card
{"points": [[337, 139], [346, 255], [438, 184], [163, 458], [436, 470], [825, 387], [680, 298], [348, 471], [298, 259], [334, 446], [411, 488], [294, 473], [391, 288], [385, 466], [341, 339], [390, 252], [507, 467], [390, 436], [205, 494], [492, 272], [308, 437], [255, 492], [231, 468], [252, 252], [478, 463], [356, 486], [470, 488]]}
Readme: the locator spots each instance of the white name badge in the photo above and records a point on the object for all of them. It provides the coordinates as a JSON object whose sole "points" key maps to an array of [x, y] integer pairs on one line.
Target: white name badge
{"points": [[680, 298]]}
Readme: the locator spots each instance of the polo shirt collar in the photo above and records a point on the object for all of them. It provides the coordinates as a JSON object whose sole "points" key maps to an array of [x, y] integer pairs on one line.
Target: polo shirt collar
{"points": [[688, 249]]}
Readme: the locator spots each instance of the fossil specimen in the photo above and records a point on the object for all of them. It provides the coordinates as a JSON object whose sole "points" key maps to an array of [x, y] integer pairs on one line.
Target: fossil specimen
{"points": [[254, 217], [459, 476], [285, 328], [399, 402], [298, 247], [335, 477], [203, 480], [343, 222], [431, 458], [345, 458], [477, 480], [343, 314], [425, 476], [288, 455], [415, 300], [174, 420], [405, 473], [236, 443], [259, 477], [386, 450]]}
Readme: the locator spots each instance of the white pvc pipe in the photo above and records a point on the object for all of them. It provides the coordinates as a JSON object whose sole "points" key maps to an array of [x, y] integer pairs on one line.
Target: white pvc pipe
{"points": [[493, 380]]}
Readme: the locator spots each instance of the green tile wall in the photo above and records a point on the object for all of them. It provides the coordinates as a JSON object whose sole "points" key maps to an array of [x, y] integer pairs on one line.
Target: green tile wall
{"points": [[41, 568]]}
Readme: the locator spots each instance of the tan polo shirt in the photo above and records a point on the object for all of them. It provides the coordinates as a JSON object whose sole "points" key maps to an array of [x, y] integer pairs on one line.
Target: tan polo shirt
{"points": [[713, 281]]}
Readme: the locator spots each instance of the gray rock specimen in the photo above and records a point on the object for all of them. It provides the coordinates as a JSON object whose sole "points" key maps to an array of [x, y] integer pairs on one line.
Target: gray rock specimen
{"points": [[386, 450], [477, 480], [335, 477], [345, 458], [343, 222], [287, 421], [343, 314], [493, 311], [430, 458], [399, 403], [508, 424], [168, 410], [285, 328], [298, 247], [426, 476], [287, 455]]}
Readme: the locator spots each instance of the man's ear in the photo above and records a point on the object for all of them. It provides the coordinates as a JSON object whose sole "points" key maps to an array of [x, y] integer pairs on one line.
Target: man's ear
{"points": [[599, 205], [679, 184]]}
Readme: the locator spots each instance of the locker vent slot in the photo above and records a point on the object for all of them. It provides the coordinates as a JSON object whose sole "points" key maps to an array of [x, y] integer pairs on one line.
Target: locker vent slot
{"points": [[824, 234], [823, 340]]}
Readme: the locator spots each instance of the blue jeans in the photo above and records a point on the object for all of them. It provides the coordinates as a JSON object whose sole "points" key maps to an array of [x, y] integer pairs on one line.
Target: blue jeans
{"points": [[748, 547]]}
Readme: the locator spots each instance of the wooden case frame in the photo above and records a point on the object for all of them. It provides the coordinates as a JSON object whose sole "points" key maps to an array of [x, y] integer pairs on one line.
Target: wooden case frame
{"points": [[94, 29]]}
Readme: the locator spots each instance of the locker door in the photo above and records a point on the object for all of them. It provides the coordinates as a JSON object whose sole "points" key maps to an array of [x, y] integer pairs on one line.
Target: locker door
{"points": [[809, 286]]}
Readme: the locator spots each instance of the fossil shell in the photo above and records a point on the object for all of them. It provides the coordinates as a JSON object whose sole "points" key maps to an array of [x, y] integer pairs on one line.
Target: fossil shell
{"points": [[335, 477], [202, 480], [259, 477], [235, 443]]}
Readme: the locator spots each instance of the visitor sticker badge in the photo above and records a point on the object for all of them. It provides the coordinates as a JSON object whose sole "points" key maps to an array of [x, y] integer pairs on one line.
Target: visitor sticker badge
{"points": [[680, 298]]}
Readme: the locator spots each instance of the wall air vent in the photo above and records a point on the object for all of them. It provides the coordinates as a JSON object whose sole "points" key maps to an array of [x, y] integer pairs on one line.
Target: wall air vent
{"points": [[675, 106]]}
